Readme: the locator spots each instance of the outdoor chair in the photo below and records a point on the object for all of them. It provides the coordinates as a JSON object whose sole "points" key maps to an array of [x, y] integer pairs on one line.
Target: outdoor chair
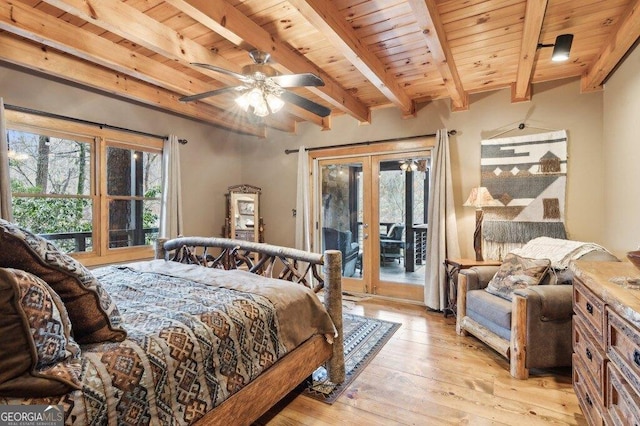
{"points": [[391, 244], [342, 240]]}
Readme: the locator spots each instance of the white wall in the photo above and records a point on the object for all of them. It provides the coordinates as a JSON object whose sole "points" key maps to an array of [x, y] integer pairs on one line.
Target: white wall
{"points": [[210, 161], [557, 105], [621, 224]]}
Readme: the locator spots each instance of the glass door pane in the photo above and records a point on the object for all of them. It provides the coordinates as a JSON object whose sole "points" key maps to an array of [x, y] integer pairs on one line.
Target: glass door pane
{"points": [[343, 216], [402, 191], [391, 207], [373, 209]]}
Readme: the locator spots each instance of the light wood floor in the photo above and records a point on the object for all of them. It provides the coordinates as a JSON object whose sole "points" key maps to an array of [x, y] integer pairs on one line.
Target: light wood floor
{"points": [[427, 375]]}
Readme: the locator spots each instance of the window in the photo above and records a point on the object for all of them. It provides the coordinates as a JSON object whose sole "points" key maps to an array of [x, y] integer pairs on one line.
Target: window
{"points": [[134, 185], [94, 192]]}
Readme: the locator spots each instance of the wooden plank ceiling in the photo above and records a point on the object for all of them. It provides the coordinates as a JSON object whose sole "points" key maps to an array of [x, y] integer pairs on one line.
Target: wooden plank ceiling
{"points": [[370, 53]]}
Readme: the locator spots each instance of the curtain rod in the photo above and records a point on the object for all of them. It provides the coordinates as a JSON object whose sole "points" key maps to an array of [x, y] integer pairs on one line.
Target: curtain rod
{"points": [[346, 145], [90, 123]]}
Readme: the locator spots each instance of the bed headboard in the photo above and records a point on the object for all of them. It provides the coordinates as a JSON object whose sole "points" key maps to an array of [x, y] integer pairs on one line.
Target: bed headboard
{"points": [[264, 259]]}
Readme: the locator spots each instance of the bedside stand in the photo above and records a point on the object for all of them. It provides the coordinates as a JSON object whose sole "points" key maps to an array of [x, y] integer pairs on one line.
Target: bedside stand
{"points": [[452, 267]]}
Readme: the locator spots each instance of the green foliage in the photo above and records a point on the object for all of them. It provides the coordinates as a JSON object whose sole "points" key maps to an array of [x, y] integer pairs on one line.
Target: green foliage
{"points": [[150, 218], [48, 171], [49, 215], [149, 215], [44, 215]]}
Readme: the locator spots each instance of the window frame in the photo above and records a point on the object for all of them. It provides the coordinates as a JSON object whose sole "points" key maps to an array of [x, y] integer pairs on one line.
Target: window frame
{"points": [[99, 139]]}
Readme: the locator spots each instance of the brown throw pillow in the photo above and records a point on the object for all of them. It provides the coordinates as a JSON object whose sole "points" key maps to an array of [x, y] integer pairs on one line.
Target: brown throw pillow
{"points": [[38, 356], [517, 272], [94, 315]]}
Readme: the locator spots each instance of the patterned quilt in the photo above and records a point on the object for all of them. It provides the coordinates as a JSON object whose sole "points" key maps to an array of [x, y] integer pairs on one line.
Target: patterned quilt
{"points": [[194, 338]]}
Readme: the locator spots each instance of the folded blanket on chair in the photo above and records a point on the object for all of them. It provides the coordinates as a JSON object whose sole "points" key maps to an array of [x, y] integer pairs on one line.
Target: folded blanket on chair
{"points": [[559, 251]]}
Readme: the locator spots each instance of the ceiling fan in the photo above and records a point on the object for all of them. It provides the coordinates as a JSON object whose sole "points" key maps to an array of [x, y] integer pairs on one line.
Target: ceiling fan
{"points": [[263, 89]]}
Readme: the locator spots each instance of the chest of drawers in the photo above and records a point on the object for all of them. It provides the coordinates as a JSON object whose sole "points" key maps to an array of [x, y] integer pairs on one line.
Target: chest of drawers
{"points": [[606, 343]]}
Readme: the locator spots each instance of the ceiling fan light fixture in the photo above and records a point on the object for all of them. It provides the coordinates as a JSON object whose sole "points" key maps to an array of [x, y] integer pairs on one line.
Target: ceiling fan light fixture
{"points": [[243, 101], [261, 100], [409, 165], [274, 102], [260, 109], [255, 97], [263, 90]]}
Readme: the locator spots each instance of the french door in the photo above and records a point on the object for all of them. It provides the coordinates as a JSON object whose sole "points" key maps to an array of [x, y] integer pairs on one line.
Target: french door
{"points": [[342, 216], [373, 209]]}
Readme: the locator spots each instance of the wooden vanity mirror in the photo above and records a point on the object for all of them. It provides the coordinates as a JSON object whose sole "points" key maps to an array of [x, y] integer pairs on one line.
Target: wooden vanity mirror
{"points": [[243, 214]]}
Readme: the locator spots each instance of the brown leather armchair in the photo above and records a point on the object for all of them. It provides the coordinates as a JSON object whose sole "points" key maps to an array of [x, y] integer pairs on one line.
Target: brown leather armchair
{"points": [[533, 330]]}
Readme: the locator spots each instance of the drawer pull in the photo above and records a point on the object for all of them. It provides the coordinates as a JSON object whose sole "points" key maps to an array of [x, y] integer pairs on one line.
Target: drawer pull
{"points": [[590, 308], [589, 355], [636, 357]]}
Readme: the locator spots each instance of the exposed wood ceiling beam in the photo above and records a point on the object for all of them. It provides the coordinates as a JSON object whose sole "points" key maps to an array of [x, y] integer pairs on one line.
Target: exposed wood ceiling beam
{"points": [[617, 45], [127, 22], [26, 54], [233, 25], [426, 12], [326, 18], [43, 28], [142, 46], [323, 122], [533, 17], [284, 123]]}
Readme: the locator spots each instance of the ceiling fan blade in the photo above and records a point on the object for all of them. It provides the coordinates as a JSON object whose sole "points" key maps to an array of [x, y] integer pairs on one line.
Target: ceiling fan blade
{"points": [[297, 80], [304, 103], [239, 76], [211, 93]]}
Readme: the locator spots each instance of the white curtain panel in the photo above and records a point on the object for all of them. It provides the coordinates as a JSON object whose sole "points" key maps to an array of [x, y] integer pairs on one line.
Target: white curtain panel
{"points": [[5, 183], [303, 206], [442, 234], [171, 219]]}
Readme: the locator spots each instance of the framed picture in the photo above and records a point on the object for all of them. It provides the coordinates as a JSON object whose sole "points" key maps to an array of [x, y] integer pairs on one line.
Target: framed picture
{"points": [[245, 207]]}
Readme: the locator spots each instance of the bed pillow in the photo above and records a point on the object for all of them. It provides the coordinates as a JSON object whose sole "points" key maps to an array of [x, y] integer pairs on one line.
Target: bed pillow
{"points": [[517, 272], [94, 316], [38, 356]]}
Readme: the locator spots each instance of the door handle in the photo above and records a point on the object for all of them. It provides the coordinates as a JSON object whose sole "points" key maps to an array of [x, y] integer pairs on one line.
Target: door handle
{"points": [[365, 236]]}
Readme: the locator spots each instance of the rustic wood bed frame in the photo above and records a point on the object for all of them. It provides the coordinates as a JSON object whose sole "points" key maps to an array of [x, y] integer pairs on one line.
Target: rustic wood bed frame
{"points": [[248, 404]]}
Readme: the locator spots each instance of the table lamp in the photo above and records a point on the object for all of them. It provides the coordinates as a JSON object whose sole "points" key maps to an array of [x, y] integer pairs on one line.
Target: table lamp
{"points": [[479, 197]]}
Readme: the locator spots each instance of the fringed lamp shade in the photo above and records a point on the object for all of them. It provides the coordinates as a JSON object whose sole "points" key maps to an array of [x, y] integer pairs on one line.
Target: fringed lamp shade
{"points": [[479, 197]]}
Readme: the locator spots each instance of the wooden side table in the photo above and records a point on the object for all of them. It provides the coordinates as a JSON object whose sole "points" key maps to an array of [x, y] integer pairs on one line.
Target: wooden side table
{"points": [[452, 267]]}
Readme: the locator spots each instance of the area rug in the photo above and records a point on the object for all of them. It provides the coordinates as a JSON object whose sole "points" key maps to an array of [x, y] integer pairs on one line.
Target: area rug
{"points": [[363, 339]]}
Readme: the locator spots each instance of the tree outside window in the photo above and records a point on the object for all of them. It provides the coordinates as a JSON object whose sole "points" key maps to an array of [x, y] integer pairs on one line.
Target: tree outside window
{"points": [[55, 188]]}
